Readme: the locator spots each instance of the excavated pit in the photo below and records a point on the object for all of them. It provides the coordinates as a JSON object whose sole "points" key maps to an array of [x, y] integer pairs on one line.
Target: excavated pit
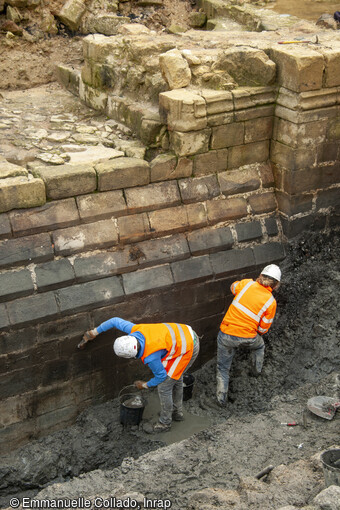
{"points": [[301, 360]]}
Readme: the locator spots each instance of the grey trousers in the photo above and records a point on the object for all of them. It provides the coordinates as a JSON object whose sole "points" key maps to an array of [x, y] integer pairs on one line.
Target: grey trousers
{"points": [[226, 348], [170, 391]]}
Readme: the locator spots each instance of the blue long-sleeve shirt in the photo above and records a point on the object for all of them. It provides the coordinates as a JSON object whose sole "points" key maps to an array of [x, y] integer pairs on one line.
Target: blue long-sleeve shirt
{"points": [[154, 360]]}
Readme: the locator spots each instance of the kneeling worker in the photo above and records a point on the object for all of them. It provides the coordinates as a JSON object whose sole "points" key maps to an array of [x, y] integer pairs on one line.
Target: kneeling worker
{"points": [[249, 316], [168, 349]]}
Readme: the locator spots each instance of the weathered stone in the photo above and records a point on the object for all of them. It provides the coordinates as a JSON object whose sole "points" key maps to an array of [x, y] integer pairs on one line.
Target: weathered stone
{"points": [[67, 180], [11, 28], [297, 135], [5, 226], [58, 273], [183, 110], [332, 62], [35, 248], [122, 173], [255, 113], [328, 199], [160, 251], [197, 216], [62, 213], [262, 203], [175, 69], [327, 21], [210, 240], [195, 268], [176, 29], [248, 66], [194, 142], [154, 196], [268, 253], [294, 204], [197, 19], [271, 226], [94, 154], [150, 130], [133, 228], [328, 498], [248, 231], [72, 12], [32, 309], [232, 261], [299, 68], [294, 159], [160, 224], [266, 175], [163, 167], [13, 14], [133, 29], [104, 264], [101, 205], [21, 192], [328, 152], [250, 97], [227, 135], [14, 284], [70, 240], [90, 295], [199, 189], [239, 181], [228, 209], [8, 169], [147, 279], [211, 162], [256, 152], [258, 129], [107, 24], [218, 101]]}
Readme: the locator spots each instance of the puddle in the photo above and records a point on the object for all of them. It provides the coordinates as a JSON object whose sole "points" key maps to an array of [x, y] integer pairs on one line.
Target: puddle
{"points": [[179, 430], [305, 9]]}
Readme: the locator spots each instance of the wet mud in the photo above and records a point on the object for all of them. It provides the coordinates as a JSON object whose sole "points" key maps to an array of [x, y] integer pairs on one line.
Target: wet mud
{"points": [[220, 458]]}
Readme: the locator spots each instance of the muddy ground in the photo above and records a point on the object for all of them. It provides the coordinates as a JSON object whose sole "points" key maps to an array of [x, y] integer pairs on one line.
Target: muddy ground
{"points": [[215, 467]]}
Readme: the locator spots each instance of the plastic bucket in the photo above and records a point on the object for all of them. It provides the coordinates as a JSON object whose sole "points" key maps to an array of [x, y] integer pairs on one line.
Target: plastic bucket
{"points": [[132, 406], [188, 386], [331, 466]]}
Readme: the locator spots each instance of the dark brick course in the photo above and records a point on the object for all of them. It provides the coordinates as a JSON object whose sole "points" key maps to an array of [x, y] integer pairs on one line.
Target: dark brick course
{"points": [[268, 253], [36, 248], [104, 264], [248, 231], [191, 269], [210, 240], [271, 226], [52, 275], [4, 322], [232, 261], [32, 309], [14, 284], [147, 279], [5, 226], [199, 188]]}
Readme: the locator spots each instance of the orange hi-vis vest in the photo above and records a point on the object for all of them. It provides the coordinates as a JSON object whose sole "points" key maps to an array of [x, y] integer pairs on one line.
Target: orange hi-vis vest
{"points": [[252, 310], [177, 339]]}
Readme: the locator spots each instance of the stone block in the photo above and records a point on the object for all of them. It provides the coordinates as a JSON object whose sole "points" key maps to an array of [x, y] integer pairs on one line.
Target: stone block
{"points": [[227, 135], [40, 307], [239, 181], [190, 143], [101, 205], [183, 110], [168, 221], [258, 129], [220, 118], [71, 13], [332, 64], [328, 152], [301, 181], [58, 273], [248, 154], [175, 69], [17, 339], [333, 129], [255, 113], [294, 204], [194, 268], [294, 227], [210, 240], [228, 209], [163, 167], [14, 284], [105, 264], [293, 159], [8, 169], [217, 101], [263, 202], [90, 295], [198, 189], [197, 216], [35, 248], [328, 199], [18, 382], [303, 101], [248, 66], [122, 173], [299, 68], [266, 175], [154, 196], [268, 253], [248, 231], [92, 236], [232, 262], [4, 321], [271, 226], [150, 131], [160, 251], [307, 134], [62, 213], [21, 192], [250, 97], [133, 228], [5, 226], [107, 24], [64, 329], [68, 180], [147, 279], [211, 162]]}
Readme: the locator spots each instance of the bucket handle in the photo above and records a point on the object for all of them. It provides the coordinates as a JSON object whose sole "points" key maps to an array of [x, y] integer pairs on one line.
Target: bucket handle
{"points": [[125, 388]]}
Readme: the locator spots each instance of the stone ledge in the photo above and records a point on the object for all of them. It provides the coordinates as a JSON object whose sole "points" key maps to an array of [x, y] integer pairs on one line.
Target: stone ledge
{"points": [[67, 180], [21, 192], [35, 248]]}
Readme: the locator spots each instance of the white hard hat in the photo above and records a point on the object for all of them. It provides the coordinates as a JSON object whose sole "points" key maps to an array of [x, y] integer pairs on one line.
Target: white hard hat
{"points": [[126, 346], [273, 271]]}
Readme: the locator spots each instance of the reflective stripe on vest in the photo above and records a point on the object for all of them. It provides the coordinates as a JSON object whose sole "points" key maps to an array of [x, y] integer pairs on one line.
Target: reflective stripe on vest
{"points": [[256, 317], [183, 349]]}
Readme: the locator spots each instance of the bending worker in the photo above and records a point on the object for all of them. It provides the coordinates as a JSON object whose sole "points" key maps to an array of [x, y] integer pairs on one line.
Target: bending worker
{"points": [[168, 349], [249, 316]]}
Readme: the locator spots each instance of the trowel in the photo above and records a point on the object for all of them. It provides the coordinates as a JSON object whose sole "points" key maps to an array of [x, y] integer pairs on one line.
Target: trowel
{"points": [[323, 406]]}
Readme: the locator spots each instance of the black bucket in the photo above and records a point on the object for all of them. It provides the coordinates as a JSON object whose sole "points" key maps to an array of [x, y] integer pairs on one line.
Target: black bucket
{"points": [[132, 406], [331, 466], [188, 386]]}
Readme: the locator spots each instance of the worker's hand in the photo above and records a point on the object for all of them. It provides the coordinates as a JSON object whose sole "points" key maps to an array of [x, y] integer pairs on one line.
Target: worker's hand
{"points": [[88, 336], [140, 385]]}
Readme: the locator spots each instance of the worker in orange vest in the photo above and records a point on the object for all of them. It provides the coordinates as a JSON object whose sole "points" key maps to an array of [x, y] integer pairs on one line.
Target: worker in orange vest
{"points": [[249, 316], [168, 349]]}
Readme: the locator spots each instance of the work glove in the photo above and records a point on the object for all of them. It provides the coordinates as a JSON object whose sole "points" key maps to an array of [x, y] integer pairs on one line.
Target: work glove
{"points": [[88, 336], [140, 385]]}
